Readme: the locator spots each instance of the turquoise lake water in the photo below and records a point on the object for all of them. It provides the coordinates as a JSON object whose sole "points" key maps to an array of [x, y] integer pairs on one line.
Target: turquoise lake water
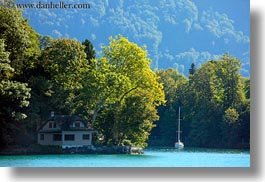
{"points": [[152, 157]]}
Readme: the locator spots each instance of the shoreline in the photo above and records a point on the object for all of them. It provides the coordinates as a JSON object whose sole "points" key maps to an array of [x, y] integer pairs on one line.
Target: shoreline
{"points": [[49, 150]]}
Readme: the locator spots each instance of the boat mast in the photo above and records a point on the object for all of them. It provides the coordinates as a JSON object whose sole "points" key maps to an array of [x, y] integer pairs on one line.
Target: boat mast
{"points": [[179, 126]]}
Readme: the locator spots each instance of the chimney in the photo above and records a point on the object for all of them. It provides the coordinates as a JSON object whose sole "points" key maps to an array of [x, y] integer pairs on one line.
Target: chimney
{"points": [[52, 114]]}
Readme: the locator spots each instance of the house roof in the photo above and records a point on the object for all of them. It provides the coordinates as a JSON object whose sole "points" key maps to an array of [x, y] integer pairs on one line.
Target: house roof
{"points": [[65, 121]]}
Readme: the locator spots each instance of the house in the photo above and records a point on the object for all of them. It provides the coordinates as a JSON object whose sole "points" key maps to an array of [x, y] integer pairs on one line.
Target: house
{"points": [[65, 131]]}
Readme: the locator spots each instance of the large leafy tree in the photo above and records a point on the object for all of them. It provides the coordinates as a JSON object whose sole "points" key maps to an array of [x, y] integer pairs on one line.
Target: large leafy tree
{"points": [[217, 100], [19, 52], [99, 88], [13, 97], [116, 82], [131, 62], [63, 61]]}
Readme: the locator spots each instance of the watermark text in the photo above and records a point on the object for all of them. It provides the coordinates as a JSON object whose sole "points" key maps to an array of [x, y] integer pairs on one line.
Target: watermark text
{"points": [[52, 5]]}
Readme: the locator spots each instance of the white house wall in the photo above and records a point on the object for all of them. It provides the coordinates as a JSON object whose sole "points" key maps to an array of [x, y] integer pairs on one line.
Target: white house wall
{"points": [[48, 139], [78, 138]]}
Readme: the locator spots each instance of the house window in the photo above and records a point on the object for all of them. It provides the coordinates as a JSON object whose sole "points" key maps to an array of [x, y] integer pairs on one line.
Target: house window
{"points": [[57, 137], [50, 125], [69, 137], [42, 137], [77, 124], [54, 125], [86, 137]]}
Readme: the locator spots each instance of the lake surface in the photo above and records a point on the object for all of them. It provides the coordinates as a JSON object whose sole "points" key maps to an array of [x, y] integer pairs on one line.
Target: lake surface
{"points": [[152, 157]]}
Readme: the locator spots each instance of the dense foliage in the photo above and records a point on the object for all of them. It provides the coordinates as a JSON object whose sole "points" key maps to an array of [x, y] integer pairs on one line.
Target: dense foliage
{"points": [[18, 49], [117, 92], [215, 106], [123, 91]]}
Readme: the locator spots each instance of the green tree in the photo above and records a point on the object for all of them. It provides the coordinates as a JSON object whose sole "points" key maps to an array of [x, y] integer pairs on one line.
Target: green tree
{"points": [[20, 39], [113, 84], [89, 50], [99, 89], [192, 69], [135, 120], [217, 100], [228, 72], [130, 60], [13, 98], [172, 81], [64, 62], [57, 78], [21, 45]]}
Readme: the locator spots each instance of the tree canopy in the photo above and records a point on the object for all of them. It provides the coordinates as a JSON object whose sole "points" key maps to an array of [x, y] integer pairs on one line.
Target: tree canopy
{"points": [[20, 39], [215, 106], [115, 82], [18, 51]]}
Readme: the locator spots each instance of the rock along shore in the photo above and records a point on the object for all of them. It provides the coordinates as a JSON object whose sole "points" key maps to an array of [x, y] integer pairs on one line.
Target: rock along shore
{"points": [[41, 150]]}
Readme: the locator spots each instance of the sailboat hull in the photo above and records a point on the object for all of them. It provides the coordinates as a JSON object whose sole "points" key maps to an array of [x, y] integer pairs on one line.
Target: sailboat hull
{"points": [[179, 145]]}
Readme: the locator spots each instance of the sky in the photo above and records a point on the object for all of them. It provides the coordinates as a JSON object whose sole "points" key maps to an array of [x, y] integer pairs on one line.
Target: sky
{"points": [[176, 32]]}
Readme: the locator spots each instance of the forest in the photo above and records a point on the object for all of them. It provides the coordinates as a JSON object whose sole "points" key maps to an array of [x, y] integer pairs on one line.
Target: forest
{"points": [[214, 102], [117, 91]]}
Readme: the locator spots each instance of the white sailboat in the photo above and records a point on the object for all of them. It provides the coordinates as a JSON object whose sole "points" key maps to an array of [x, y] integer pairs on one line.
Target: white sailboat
{"points": [[179, 144]]}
